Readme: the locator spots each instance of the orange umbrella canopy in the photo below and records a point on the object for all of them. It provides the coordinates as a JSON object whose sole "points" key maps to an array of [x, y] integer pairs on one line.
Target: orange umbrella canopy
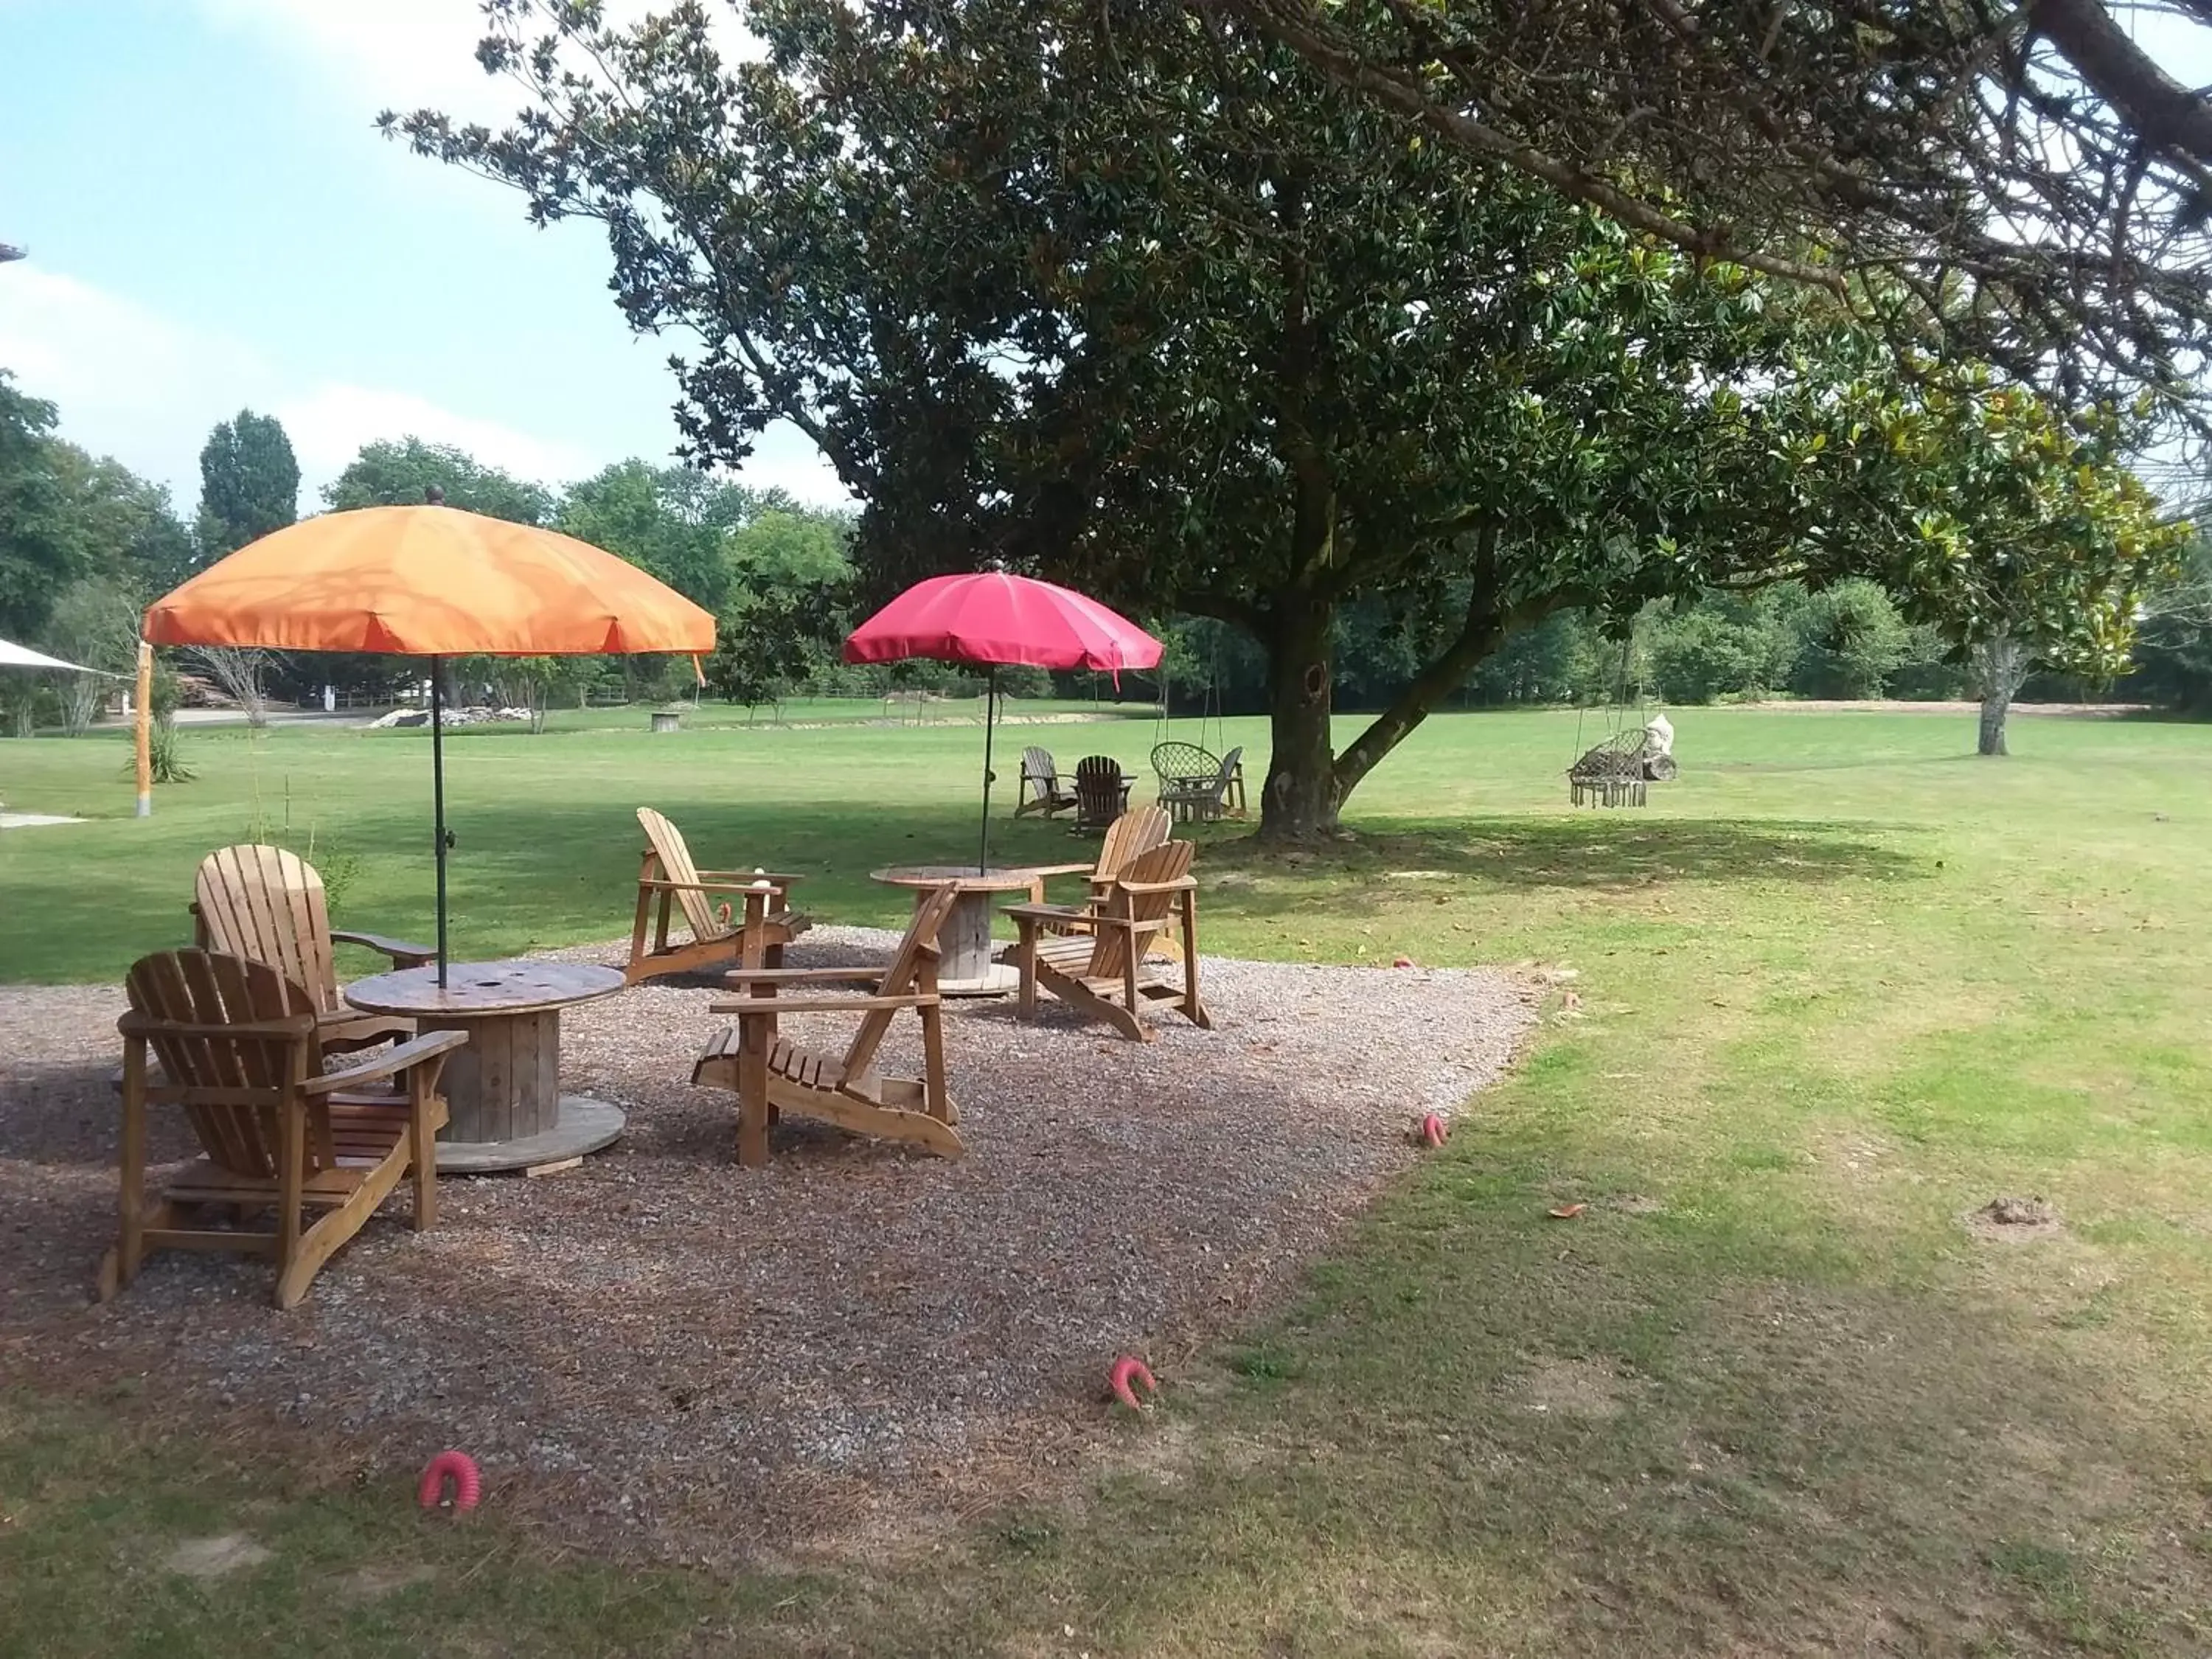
{"points": [[427, 582]]}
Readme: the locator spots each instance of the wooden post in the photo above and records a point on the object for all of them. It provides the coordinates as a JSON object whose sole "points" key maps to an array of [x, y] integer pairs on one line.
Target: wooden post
{"points": [[144, 724]]}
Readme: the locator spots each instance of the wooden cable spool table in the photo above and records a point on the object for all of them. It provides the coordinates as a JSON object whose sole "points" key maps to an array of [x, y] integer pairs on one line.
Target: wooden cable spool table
{"points": [[965, 968], [503, 1091]]}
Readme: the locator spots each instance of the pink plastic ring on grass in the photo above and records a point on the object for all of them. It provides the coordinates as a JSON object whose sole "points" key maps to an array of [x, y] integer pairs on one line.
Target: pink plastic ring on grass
{"points": [[1433, 1130], [459, 1469], [1126, 1367]]}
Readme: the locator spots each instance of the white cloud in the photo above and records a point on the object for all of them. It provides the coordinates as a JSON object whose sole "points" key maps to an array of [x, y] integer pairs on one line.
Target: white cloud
{"points": [[786, 458], [329, 423], [129, 382], [396, 54], [144, 388], [407, 54]]}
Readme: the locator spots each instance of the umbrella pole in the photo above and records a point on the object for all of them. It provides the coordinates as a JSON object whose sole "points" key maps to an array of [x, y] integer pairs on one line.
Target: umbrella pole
{"points": [[990, 710], [438, 801]]}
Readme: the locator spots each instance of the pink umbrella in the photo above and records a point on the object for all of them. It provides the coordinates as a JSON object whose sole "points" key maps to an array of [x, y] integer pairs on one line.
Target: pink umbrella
{"points": [[991, 618]]}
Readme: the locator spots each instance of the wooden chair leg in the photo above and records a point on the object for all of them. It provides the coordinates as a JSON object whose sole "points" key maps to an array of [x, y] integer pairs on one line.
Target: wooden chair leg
{"points": [[937, 1098], [752, 1094], [158, 1215], [1193, 1007], [334, 1227], [1025, 960], [644, 914], [130, 1242], [422, 1146], [291, 1180]]}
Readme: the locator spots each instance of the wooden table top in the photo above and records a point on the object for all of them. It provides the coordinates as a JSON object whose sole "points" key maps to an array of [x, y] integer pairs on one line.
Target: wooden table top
{"points": [[969, 879], [478, 989]]}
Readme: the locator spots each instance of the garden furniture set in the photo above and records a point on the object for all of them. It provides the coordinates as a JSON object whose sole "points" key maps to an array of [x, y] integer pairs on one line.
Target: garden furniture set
{"points": [[299, 1112]]}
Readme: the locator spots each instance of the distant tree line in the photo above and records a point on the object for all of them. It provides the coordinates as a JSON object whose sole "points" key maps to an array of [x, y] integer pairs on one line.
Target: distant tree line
{"points": [[85, 544], [1848, 642]]}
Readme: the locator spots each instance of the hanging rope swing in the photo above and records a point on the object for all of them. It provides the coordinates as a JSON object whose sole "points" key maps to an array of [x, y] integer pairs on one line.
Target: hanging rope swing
{"points": [[1615, 772]]}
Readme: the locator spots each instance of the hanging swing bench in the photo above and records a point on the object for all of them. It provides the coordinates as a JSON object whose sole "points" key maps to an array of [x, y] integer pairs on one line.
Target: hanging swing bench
{"points": [[1615, 772]]}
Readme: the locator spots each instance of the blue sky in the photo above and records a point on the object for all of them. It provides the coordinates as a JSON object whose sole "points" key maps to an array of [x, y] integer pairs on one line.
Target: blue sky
{"points": [[214, 225]]}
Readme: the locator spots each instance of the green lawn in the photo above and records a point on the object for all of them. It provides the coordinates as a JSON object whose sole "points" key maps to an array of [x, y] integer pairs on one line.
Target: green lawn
{"points": [[1838, 986]]}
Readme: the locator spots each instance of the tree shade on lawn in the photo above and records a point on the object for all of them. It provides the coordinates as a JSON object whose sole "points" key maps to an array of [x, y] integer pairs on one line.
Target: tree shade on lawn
{"points": [[429, 581], [992, 619]]}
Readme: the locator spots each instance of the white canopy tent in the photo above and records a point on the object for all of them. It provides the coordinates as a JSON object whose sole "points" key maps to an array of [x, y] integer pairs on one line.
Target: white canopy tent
{"points": [[22, 656]]}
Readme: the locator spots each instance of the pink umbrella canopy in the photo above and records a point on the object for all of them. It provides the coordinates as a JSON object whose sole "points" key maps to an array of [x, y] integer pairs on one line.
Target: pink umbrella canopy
{"points": [[993, 617]]}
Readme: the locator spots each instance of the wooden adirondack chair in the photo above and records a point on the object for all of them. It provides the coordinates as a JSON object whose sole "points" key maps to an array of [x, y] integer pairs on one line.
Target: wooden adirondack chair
{"points": [[266, 904], [667, 880], [238, 1048], [772, 1075], [1103, 971], [1101, 793], [1040, 791], [1138, 830]]}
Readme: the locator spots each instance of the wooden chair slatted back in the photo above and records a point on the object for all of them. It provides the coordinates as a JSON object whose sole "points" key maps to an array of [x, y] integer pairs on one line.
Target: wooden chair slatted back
{"points": [[1137, 830], [207, 987], [675, 855], [1097, 791], [918, 947], [267, 905], [1040, 774], [1168, 861]]}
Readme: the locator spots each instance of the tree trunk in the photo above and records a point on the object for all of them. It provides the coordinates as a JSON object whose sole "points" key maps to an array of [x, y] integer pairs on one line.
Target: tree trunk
{"points": [[1300, 800], [2001, 665]]}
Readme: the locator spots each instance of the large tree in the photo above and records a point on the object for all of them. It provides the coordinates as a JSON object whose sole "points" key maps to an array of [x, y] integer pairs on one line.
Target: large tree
{"points": [[1172, 314], [402, 471], [2026, 184], [249, 484], [39, 553], [673, 521], [126, 526]]}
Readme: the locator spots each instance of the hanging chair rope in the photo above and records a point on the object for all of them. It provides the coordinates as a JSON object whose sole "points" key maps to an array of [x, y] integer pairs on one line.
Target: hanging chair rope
{"points": [[1613, 773]]}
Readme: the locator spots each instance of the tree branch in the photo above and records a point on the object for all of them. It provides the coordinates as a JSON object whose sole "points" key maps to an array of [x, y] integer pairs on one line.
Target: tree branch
{"points": [[1224, 607], [1484, 626], [2167, 114]]}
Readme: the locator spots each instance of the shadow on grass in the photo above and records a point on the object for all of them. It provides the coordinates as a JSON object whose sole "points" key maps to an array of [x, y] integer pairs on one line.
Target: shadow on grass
{"points": [[1612, 851]]}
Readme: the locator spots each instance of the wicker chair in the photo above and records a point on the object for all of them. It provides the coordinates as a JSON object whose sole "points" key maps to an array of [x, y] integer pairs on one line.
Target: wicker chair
{"points": [[1197, 787]]}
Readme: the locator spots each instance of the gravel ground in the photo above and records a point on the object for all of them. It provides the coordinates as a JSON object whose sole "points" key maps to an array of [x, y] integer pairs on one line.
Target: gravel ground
{"points": [[663, 1353]]}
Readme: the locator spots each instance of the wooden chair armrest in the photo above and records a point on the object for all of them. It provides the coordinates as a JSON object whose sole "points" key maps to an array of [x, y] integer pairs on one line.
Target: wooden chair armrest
{"points": [[773, 877], [748, 885], [803, 976], [1046, 912], [769, 1007], [134, 1024], [402, 954], [1180, 884], [391, 1061]]}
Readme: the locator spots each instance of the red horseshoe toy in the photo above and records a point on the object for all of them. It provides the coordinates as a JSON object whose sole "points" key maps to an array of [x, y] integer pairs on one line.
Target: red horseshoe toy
{"points": [[1127, 1366], [1433, 1130], [459, 1469]]}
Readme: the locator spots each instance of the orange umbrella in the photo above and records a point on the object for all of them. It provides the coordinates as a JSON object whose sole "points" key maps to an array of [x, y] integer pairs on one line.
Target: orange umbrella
{"points": [[427, 582]]}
